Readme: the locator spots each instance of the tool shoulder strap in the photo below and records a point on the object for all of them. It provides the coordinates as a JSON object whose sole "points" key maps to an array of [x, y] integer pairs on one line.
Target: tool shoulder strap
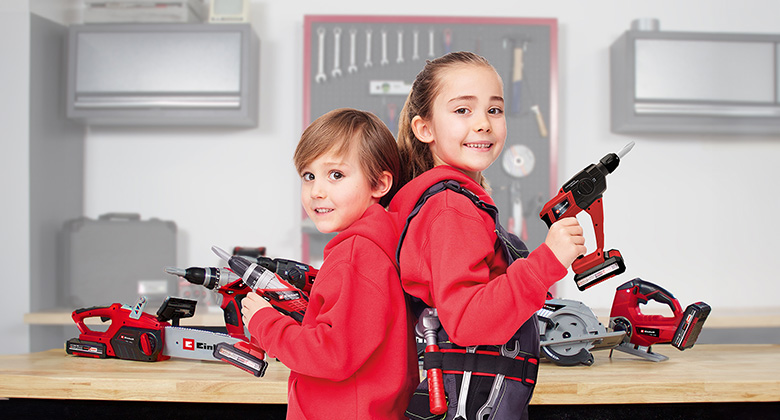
{"points": [[513, 247]]}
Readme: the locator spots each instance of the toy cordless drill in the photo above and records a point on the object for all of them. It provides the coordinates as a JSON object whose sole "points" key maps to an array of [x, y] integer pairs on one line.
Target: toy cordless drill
{"points": [[234, 289], [583, 192]]}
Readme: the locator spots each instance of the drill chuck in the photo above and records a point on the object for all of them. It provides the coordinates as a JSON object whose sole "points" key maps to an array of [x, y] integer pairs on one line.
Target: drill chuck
{"points": [[208, 277]]}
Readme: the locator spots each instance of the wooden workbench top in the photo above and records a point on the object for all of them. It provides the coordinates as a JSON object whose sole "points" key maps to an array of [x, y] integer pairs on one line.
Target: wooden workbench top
{"points": [[705, 373]]}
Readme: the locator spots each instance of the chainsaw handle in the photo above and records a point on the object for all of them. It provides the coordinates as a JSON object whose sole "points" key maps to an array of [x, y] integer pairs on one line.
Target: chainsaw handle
{"points": [[104, 312]]}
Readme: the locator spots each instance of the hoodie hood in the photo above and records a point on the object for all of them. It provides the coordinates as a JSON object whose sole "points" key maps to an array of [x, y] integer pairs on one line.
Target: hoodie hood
{"points": [[406, 198], [377, 225]]}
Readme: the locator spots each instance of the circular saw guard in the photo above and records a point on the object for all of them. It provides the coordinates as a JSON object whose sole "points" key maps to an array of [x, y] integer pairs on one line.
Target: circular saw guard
{"points": [[569, 331]]}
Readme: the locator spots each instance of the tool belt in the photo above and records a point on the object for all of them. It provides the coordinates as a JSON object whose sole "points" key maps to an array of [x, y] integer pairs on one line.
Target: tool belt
{"points": [[484, 364], [523, 369]]}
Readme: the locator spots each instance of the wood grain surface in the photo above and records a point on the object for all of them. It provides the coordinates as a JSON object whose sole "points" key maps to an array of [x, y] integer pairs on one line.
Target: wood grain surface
{"points": [[704, 373]]}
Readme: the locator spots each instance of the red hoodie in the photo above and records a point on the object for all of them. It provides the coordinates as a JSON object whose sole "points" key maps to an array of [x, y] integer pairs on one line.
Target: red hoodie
{"points": [[354, 356], [451, 260]]}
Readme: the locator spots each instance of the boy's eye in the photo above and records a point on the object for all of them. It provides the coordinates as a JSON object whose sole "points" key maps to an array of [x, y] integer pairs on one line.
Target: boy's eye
{"points": [[307, 176], [335, 175]]}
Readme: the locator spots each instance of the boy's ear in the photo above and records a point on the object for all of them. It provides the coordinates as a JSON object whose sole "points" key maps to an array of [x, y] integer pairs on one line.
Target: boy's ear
{"points": [[384, 184], [421, 129]]}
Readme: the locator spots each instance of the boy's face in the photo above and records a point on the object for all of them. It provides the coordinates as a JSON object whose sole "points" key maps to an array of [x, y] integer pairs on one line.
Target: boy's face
{"points": [[335, 192]]}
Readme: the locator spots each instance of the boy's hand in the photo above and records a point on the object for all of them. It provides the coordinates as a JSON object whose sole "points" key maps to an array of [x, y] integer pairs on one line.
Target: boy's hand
{"points": [[251, 304], [566, 241]]}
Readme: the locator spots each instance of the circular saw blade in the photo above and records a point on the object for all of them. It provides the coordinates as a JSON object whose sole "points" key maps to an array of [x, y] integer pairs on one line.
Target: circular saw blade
{"points": [[563, 328], [518, 160]]}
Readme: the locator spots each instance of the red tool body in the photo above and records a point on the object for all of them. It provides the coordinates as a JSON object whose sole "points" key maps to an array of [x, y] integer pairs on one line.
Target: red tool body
{"points": [[281, 294], [297, 274], [137, 335], [644, 330], [126, 337], [584, 192]]}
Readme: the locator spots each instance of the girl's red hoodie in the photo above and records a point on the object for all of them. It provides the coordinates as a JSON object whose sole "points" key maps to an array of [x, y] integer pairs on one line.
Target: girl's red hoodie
{"points": [[354, 356], [450, 258]]}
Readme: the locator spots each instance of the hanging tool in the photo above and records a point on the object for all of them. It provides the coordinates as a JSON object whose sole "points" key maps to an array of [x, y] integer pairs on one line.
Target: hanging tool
{"points": [[427, 328], [643, 331], [416, 45], [584, 192], [137, 335], [540, 121], [352, 47], [400, 58], [486, 410], [518, 161], [320, 76], [430, 43], [384, 61], [368, 62], [517, 78], [447, 38], [463, 394], [336, 72], [569, 331]]}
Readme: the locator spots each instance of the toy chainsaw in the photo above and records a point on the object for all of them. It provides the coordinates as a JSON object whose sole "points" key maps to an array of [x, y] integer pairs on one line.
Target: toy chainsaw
{"points": [[583, 192], [136, 335], [643, 331]]}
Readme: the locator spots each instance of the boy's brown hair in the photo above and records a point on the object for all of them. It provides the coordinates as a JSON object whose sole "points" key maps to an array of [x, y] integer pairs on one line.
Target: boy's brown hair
{"points": [[345, 129]]}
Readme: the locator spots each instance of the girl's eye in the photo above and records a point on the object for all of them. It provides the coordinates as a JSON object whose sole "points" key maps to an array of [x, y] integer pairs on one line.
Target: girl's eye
{"points": [[461, 111], [307, 176], [335, 175], [495, 111]]}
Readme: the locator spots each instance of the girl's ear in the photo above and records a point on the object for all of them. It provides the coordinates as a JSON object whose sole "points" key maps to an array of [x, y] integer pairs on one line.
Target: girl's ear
{"points": [[421, 129], [384, 184]]}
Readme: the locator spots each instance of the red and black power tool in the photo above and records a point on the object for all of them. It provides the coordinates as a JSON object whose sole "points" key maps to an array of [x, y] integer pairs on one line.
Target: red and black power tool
{"points": [[136, 335], [583, 193], [233, 289], [643, 330]]}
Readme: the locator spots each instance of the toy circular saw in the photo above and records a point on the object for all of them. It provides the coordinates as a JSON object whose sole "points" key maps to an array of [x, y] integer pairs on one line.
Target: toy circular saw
{"points": [[569, 331], [644, 330]]}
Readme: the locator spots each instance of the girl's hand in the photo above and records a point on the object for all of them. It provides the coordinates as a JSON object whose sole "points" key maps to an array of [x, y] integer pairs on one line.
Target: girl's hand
{"points": [[251, 304], [566, 241]]}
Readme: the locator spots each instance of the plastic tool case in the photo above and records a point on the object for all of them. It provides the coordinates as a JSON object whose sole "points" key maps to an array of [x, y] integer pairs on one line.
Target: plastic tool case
{"points": [[117, 258]]}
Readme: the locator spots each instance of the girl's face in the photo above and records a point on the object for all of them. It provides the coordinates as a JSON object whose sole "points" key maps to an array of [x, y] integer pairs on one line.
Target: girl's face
{"points": [[467, 128], [335, 192]]}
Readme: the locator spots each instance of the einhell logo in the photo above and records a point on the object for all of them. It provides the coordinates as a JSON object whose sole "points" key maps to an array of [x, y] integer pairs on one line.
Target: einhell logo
{"points": [[191, 344]]}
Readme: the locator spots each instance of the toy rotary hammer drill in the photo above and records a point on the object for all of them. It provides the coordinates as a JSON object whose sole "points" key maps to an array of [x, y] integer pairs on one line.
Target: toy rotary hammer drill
{"points": [[583, 192]]}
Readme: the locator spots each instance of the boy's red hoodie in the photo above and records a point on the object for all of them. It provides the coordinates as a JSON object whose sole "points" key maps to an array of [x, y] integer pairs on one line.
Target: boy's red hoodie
{"points": [[450, 258], [354, 355]]}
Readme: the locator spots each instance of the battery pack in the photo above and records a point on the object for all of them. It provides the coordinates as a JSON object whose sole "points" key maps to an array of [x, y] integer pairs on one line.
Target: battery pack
{"points": [[690, 326], [612, 266]]}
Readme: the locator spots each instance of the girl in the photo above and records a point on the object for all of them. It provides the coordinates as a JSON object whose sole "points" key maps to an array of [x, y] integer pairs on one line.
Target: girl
{"points": [[354, 355], [454, 256]]}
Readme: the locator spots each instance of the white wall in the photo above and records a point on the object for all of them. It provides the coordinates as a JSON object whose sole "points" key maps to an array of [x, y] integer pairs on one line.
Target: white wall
{"points": [[14, 176], [680, 208], [691, 213]]}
